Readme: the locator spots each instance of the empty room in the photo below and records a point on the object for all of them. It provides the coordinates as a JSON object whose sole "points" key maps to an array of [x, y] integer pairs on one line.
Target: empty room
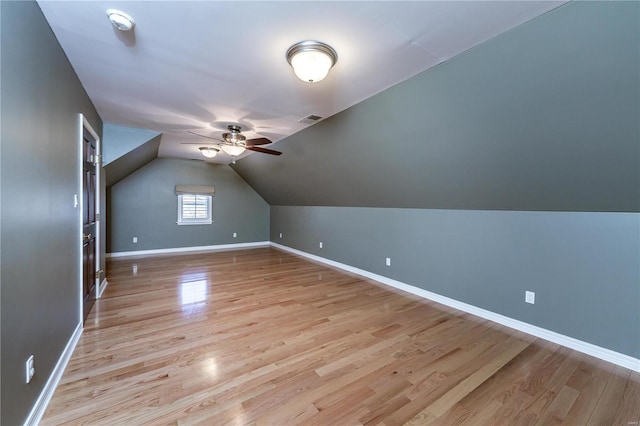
{"points": [[320, 212]]}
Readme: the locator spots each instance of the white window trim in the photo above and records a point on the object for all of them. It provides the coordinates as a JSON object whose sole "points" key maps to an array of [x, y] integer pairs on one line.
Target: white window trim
{"points": [[182, 221]]}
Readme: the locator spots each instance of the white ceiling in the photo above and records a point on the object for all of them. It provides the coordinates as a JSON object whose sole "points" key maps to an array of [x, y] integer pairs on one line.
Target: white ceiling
{"points": [[200, 65]]}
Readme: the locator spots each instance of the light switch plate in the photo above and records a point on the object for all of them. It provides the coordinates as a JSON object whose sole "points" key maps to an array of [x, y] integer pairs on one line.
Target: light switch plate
{"points": [[30, 369]]}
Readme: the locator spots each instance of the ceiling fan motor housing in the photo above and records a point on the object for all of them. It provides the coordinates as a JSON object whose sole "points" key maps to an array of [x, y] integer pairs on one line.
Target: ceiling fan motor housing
{"points": [[234, 137]]}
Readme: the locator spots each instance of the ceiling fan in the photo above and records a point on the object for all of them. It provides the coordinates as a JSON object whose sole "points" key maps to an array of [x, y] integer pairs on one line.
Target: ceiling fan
{"points": [[234, 143]]}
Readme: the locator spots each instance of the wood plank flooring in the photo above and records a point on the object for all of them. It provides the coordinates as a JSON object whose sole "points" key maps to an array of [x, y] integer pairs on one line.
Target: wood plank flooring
{"points": [[267, 338]]}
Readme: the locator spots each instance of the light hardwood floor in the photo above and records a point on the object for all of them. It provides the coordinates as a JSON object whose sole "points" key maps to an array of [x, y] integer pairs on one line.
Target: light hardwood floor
{"points": [[264, 337]]}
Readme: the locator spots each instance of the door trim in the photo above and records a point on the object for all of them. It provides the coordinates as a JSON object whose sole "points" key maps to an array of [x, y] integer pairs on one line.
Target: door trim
{"points": [[83, 124]]}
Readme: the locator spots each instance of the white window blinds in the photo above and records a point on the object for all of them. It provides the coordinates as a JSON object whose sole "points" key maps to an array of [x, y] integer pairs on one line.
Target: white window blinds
{"points": [[194, 209]]}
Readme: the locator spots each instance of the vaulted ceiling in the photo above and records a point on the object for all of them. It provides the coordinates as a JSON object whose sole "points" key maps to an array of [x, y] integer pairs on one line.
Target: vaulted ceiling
{"points": [[542, 118], [201, 65]]}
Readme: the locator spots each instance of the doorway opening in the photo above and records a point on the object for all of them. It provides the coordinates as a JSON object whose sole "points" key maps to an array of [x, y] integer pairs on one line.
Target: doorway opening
{"points": [[89, 151]]}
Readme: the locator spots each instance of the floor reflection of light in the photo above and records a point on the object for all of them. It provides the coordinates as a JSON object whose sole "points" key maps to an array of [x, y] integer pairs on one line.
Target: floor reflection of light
{"points": [[193, 288], [240, 417], [211, 367], [135, 269]]}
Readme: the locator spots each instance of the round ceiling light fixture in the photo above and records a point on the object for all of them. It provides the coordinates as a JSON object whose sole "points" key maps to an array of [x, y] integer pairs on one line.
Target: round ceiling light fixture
{"points": [[233, 150], [208, 152], [311, 60], [121, 20]]}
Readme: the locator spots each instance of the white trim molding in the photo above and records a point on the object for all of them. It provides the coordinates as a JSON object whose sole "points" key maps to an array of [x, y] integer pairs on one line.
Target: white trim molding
{"points": [[588, 348], [177, 250], [79, 205], [38, 409], [103, 285]]}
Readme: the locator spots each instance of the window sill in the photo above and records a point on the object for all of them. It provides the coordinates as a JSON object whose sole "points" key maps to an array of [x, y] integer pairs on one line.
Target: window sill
{"points": [[194, 223]]}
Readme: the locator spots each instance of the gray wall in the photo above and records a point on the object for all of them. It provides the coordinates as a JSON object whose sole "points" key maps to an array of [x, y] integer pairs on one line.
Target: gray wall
{"points": [[514, 166], [41, 99], [544, 117], [120, 140], [144, 204], [128, 163], [583, 267]]}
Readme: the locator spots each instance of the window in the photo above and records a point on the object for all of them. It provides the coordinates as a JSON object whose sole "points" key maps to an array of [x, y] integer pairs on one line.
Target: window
{"points": [[194, 209]]}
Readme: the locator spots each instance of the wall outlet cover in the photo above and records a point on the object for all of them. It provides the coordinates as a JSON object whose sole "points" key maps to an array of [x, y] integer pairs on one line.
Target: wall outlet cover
{"points": [[530, 297], [388, 261], [320, 244], [135, 240]]}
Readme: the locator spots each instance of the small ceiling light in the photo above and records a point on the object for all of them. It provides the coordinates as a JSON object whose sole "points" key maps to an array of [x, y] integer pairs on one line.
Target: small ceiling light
{"points": [[311, 60], [208, 152], [233, 150], [121, 20]]}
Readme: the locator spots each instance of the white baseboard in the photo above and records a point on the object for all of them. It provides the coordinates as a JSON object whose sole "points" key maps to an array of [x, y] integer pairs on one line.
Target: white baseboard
{"points": [[560, 339], [177, 250], [103, 285], [52, 383]]}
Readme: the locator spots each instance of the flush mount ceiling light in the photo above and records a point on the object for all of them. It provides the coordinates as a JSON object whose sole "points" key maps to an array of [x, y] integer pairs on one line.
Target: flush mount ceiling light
{"points": [[121, 20], [311, 60], [208, 152]]}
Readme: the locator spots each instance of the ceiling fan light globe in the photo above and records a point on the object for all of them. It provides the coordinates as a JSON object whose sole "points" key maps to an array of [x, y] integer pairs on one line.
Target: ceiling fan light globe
{"points": [[311, 66], [208, 152], [233, 150]]}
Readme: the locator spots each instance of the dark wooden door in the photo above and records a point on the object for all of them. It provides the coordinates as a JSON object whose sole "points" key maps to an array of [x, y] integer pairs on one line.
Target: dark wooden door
{"points": [[88, 223]]}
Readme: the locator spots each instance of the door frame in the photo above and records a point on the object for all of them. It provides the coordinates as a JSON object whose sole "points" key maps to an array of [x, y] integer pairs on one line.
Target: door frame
{"points": [[83, 124]]}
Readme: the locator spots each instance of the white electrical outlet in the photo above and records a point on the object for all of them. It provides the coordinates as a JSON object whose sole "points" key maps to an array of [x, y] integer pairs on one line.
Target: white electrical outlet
{"points": [[235, 235], [530, 297], [30, 369], [320, 244], [388, 261], [281, 235], [135, 240]]}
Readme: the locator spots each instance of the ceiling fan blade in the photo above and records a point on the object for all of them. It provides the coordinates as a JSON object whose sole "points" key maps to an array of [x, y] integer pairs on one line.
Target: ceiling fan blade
{"points": [[257, 141], [201, 143], [203, 136], [263, 150]]}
